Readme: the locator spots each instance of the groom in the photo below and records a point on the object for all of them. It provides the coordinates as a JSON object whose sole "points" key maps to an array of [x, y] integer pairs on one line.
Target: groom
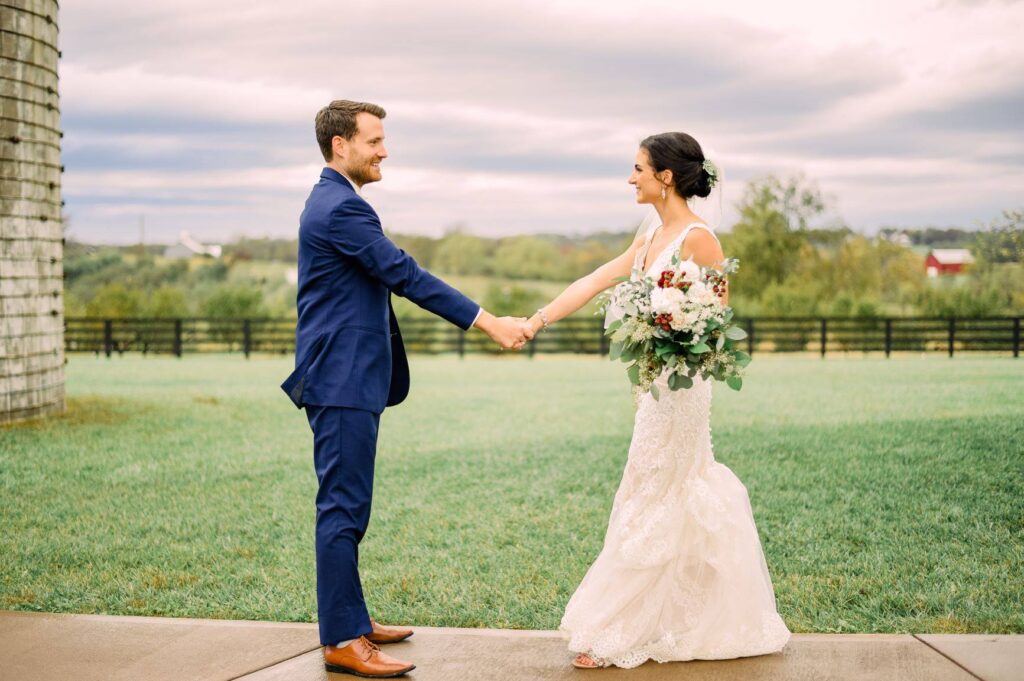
{"points": [[350, 364]]}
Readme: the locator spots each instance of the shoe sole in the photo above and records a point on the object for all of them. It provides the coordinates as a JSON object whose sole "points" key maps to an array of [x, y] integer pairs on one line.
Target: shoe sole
{"points": [[345, 670], [394, 640]]}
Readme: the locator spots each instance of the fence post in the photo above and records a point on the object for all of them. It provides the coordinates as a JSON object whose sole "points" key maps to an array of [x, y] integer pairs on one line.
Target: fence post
{"points": [[177, 338], [108, 337], [824, 335], [1016, 336], [952, 334], [246, 337], [888, 336], [750, 336]]}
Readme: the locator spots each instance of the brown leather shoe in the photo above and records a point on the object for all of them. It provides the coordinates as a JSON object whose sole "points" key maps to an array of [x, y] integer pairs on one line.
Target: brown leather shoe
{"points": [[363, 658], [382, 634]]}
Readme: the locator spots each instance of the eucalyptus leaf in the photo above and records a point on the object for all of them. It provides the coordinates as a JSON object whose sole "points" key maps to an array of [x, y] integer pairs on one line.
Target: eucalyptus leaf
{"points": [[735, 333], [720, 342], [700, 348], [615, 351], [734, 382], [634, 374], [655, 393], [684, 382]]}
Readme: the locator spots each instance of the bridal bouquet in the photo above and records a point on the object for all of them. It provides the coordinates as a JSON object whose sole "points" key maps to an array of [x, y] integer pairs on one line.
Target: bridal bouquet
{"points": [[678, 322]]}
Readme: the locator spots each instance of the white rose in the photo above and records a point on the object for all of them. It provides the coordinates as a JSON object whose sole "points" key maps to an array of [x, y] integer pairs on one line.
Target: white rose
{"points": [[667, 300], [698, 291], [690, 270], [702, 294]]}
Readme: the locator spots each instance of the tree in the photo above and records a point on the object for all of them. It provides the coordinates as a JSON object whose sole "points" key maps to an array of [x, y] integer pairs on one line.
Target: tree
{"points": [[1003, 241], [459, 253], [167, 302], [585, 258], [234, 301], [517, 301], [774, 218], [115, 300], [527, 257]]}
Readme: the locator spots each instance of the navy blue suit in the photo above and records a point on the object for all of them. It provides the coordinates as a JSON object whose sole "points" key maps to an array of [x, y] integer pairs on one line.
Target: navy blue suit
{"points": [[350, 364]]}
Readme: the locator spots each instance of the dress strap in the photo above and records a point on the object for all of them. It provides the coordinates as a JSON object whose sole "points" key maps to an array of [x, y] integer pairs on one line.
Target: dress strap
{"points": [[699, 224]]}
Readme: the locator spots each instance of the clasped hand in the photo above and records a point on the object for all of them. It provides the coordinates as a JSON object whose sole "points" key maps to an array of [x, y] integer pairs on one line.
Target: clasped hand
{"points": [[510, 333]]}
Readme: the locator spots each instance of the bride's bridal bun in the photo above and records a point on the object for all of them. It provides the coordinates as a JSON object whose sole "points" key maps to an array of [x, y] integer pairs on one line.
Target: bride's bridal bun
{"points": [[680, 153]]}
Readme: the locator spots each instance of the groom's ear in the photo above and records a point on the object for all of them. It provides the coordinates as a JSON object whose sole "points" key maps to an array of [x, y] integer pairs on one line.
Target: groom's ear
{"points": [[339, 146]]}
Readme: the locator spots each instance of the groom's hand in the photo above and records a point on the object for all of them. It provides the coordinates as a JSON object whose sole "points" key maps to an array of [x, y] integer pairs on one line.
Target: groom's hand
{"points": [[508, 332]]}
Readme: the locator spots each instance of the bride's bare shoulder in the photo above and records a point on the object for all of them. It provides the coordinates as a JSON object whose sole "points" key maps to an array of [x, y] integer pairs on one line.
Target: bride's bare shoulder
{"points": [[703, 245]]}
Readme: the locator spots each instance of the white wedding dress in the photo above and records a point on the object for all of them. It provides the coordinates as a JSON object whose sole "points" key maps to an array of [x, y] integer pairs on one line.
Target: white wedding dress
{"points": [[682, 574]]}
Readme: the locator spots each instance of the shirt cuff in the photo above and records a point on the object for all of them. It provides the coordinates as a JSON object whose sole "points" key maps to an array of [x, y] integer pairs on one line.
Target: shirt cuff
{"points": [[478, 313]]}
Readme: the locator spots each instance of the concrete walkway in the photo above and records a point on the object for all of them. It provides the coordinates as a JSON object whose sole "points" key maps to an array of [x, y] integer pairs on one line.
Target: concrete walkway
{"points": [[104, 648]]}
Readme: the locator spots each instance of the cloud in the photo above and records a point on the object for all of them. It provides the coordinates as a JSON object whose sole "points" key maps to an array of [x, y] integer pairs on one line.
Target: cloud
{"points": [[522, 116]]}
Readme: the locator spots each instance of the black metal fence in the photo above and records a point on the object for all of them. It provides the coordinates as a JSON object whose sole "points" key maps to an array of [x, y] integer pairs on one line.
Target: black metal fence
{"points": [[575, 335]]}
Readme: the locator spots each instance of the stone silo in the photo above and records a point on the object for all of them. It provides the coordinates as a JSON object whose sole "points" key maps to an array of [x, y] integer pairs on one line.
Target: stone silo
{"points": [[31, 231]]}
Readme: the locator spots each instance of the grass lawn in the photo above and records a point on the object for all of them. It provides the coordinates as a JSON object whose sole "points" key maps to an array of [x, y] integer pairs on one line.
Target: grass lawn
{"points": [[889, 494]]}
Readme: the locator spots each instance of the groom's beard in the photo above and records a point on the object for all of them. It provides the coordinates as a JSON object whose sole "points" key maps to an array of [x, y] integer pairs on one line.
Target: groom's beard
{"points": [[364, 173]]}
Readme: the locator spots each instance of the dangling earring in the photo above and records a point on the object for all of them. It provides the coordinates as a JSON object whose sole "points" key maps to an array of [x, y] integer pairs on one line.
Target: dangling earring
{"points": [[664, 195]]}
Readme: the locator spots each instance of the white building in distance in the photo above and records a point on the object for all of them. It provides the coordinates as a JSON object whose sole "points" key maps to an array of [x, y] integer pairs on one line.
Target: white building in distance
{"points": [[187, 247]]}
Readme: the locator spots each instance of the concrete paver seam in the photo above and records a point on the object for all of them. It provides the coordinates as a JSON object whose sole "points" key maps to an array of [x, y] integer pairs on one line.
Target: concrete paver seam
{"points": [[930, 646], [273, 664]]}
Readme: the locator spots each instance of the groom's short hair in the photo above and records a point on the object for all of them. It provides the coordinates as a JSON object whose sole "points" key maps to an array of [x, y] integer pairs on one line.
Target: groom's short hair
{"points": [[339, 118]]}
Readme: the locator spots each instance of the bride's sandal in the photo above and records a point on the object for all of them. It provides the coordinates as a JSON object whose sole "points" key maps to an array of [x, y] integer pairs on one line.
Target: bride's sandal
{"points": [[584, 661]]}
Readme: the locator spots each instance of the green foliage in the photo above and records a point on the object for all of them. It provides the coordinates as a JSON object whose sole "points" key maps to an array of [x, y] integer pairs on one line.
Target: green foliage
{"points": [[234, 301], [216, 270], [459, 253], [956, 302], [527, 257], [421, 248], [166, 302], [769, 237], [1003, 241], [933, 237], [792, 262], [116, 300], [86, 263], [847, 305], [512, 300], [793, 298], [284, 250], [586, 257]]}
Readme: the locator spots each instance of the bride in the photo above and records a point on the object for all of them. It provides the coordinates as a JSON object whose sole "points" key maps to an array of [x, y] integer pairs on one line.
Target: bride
{"points": [[682, 574]]}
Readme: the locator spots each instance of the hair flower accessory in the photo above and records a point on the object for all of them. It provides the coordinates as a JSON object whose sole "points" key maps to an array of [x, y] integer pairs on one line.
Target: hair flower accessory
{"points": [[712, 170]]}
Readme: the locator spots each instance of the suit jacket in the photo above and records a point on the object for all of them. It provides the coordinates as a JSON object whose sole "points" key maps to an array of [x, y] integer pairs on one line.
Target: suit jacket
{"points": [[348, 347]]}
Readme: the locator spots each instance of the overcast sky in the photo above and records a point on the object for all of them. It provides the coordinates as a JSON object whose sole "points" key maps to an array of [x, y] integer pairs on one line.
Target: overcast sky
{"points": [[525, 116]]}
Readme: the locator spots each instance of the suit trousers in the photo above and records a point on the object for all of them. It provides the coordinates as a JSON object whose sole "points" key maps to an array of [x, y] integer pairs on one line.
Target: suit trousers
{"points": [[344, 450]]}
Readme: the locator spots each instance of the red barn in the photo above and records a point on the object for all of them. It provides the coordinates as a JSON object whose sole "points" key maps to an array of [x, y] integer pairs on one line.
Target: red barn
{"points": [[947, 261]]}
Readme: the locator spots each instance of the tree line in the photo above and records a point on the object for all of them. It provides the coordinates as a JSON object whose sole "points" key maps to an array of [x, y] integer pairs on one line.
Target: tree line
{"points": [[796, 258]]}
